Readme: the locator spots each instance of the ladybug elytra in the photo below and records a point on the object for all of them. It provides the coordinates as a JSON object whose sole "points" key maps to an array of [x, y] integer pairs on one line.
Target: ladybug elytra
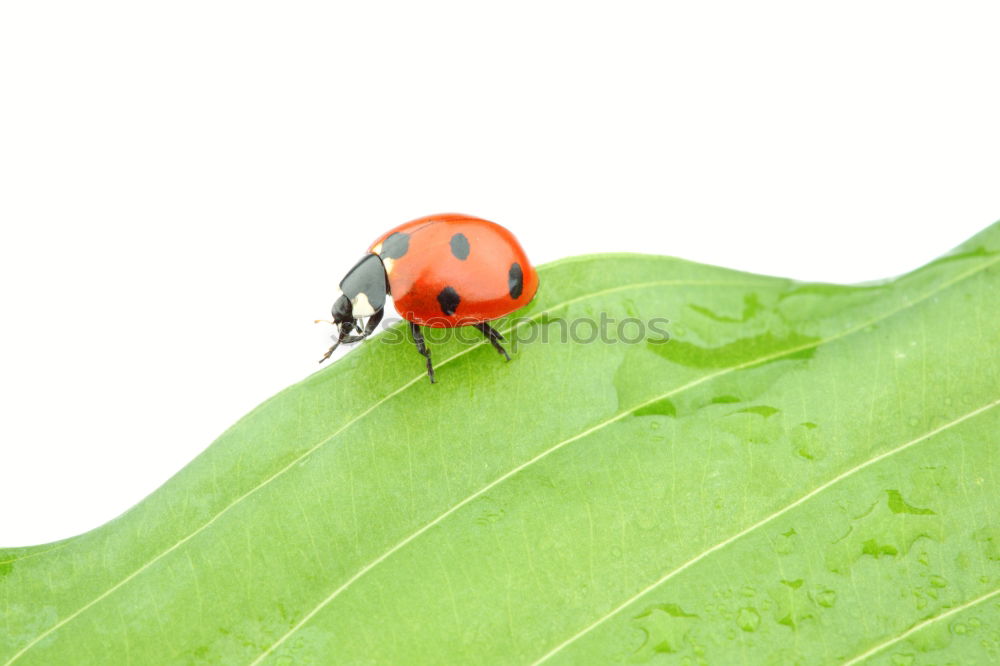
{"points": [[442, 271]]}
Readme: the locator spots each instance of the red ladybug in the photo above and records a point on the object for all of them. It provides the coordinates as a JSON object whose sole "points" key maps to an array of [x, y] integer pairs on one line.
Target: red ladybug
{"points": [[442, 271]]}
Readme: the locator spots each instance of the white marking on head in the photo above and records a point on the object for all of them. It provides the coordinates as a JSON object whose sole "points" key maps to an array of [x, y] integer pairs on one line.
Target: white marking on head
{"points": [[377, 249], [360, 307], [388, 263]]}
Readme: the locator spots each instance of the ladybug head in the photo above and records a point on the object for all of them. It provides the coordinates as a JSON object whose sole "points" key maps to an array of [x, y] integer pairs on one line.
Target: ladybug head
{"points": [[362, 294]]}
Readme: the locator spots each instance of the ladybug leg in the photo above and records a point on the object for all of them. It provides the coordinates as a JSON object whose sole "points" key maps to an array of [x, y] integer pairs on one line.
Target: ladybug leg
{"points": [[343, 337], [493, 336], [330, 351], [418, 339], [346, 336], [373, 322], [370, 326]]}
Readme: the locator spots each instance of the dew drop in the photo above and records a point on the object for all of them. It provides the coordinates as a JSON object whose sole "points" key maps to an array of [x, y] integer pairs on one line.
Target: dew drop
{"points": [[806, 442], [748, 619], [827, 598], [786, 544]]}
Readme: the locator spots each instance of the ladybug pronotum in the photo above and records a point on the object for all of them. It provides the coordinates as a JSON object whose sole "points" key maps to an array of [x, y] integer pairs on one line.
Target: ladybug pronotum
{"points": [[442, 271]]}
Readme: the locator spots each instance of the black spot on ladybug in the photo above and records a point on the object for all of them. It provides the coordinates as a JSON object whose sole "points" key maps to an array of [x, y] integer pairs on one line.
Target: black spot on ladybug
{"points": [[449, 300], [396, 245], [460, 246], [515, 280]]}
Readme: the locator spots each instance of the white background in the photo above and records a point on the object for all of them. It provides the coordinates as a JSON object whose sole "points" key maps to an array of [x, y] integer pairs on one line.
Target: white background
{"points": [[183, 185]]}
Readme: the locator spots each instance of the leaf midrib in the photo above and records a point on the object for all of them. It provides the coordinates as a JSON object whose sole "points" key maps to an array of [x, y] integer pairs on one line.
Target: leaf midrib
{"points": [[767, 519], [111, 590], [763, 359], [878, 647]]}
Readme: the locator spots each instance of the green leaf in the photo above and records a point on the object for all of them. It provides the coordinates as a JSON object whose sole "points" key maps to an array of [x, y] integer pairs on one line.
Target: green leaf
{"points": [[802, 473]]}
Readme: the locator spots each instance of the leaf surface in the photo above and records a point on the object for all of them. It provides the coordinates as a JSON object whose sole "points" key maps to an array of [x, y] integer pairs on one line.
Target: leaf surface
{"points": [[802, 473]]}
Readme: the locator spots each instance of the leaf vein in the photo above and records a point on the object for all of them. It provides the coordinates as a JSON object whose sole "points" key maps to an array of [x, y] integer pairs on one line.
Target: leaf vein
{"points": [[920, 625], [638, 285], [618, 417], [761, 523]]}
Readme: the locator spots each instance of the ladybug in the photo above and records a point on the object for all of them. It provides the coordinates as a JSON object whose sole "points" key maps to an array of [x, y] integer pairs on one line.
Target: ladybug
{"points": [[442, 271]]}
